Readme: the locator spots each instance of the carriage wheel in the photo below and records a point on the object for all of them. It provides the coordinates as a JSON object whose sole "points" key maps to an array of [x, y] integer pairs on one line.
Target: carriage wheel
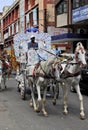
{"points": [[23, 93], [23, 89], [18, 88]]}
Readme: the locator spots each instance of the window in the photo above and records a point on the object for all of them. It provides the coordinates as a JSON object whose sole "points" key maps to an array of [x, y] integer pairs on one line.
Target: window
{"points": [[35, 16], [61, 8], [78, 3]]}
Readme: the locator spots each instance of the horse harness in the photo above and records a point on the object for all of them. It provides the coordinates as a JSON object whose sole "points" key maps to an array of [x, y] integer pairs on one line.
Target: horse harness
{"points": [[44, 74], [66, 74]]}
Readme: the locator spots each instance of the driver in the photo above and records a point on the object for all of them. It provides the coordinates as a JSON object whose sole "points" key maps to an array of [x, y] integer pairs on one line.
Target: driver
{"points": [[32, 44]]}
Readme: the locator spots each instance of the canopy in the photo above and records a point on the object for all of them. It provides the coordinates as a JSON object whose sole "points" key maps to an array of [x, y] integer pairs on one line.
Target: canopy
{"points": [[21, 41], [32, 29], [68, 37]]}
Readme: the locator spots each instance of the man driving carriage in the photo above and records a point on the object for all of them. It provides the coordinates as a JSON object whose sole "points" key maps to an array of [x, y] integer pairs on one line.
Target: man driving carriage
{"points": [[32, 44]]}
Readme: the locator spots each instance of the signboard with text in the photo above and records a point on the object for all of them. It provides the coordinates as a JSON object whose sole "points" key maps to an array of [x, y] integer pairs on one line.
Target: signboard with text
{"points": [[80, 14]]}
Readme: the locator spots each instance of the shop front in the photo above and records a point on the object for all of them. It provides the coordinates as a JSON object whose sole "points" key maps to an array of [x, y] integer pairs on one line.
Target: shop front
{"points": [[71, 39]]}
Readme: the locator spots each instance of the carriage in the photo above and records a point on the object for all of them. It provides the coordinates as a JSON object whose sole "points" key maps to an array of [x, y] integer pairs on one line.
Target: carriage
{"points": [[27, 58], [51, 67]]}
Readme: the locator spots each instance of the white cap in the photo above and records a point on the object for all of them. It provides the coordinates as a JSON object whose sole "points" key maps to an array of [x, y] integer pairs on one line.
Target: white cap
{"points": [[32, 36]]}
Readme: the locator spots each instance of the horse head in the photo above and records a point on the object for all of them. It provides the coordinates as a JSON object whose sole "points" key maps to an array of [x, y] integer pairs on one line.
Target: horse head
{"points": [[56, 69], [80, 55]]}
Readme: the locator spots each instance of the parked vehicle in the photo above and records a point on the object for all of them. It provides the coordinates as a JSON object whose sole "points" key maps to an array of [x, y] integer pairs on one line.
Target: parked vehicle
{"points": [[84, 79]]}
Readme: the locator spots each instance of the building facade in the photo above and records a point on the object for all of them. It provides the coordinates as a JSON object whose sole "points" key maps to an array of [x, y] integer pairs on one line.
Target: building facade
{"points": [[73, 15], [10, 23], [24, 14], [52, 16], [1, 40]]}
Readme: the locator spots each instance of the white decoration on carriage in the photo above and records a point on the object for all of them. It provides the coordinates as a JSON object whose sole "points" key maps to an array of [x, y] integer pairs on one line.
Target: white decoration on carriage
{"points": [[22, 39]]}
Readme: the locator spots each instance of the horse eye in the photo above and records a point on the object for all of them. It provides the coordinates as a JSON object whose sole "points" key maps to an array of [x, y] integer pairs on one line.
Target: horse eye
{"points": [[77, 52]]}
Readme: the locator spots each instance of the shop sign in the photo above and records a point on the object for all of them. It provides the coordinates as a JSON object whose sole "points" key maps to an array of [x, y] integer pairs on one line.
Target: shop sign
{"points": [[80, 14]]}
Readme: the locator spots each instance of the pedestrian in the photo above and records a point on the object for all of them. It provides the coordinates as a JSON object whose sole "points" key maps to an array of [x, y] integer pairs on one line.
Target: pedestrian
{"points": [[32, 44], [1, 50], [4, 58], [57, 51]]}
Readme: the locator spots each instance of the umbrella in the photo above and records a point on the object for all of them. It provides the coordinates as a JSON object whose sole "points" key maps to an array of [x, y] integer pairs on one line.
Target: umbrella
{"points": [[32, 29]]}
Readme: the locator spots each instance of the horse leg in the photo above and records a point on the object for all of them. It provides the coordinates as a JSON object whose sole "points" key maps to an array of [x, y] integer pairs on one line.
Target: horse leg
{"points": [[82, 114], [39, 96], [44, 103], [55, 91], [40, 82], [65, 93], [32, 100]]}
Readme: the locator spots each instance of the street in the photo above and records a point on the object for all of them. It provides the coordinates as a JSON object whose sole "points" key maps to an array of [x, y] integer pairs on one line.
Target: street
{"points": [[16, 114]]}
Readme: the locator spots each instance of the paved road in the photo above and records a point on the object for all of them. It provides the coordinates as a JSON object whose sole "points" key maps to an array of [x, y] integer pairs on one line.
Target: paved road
{"points": [[15, 114]]}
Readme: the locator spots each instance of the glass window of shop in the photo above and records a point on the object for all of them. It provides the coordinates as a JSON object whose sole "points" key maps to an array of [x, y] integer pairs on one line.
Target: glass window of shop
{"points": [[78, 3], [61, 8]]}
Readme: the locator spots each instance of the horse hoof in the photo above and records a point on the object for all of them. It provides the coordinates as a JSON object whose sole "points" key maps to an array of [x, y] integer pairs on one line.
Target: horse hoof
{"points": [[54, 103], [65, 113], [37, 110], [82, 117], [31, 104], [46, 114]]}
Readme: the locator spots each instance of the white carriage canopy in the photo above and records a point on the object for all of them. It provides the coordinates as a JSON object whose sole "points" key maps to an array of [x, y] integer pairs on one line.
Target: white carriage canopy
{"points": [[21, 41]]}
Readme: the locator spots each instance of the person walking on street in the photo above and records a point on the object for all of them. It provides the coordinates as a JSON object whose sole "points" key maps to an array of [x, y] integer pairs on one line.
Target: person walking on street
{"points": [[57, 51]]}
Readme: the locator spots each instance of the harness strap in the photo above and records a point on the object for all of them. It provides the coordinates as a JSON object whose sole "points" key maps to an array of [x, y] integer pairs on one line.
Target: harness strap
{"points": [[67, 74], [44, 76]]}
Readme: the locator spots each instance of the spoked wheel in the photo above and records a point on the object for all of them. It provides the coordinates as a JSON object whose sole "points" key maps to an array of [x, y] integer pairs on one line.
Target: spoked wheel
{"points": [[23, 93], [23, 88], [18, 88]]}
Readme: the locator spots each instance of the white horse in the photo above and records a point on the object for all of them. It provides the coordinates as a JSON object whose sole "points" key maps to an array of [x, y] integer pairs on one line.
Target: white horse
{"points": [[70, 76], [43, 72]]}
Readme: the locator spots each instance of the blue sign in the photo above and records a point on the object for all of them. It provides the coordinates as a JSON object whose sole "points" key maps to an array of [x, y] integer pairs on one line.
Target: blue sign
{"points": [[80, 14]]}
